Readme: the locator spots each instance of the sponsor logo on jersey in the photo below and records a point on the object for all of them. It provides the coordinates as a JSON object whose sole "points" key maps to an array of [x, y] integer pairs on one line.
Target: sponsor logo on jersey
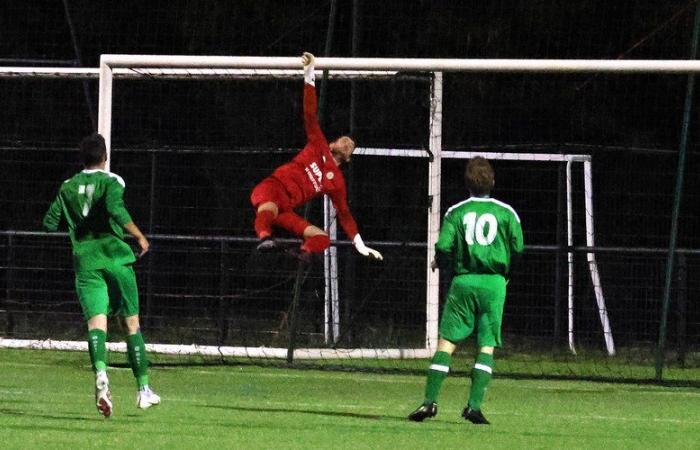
{"points": [[315, 175], [329, 175]]}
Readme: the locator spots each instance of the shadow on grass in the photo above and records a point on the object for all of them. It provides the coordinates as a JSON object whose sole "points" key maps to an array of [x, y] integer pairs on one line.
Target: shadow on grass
{"points": [[67, 417], [15, 400], [303, 411], [64, 429]]}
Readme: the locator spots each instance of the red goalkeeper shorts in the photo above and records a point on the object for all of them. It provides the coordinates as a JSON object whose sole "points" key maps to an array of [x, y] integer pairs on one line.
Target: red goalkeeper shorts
{"points": [[271, 190]]}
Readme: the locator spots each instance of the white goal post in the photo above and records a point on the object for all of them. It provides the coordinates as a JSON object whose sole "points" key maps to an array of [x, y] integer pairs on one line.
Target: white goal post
{"points": [[223, 67]]}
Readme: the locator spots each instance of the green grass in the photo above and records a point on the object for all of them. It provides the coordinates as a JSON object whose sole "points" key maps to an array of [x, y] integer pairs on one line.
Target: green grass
{"points": [[46, 402]]}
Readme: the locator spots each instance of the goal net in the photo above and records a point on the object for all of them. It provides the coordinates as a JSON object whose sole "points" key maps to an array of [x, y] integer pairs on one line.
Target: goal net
{"points": [[192, 135]]}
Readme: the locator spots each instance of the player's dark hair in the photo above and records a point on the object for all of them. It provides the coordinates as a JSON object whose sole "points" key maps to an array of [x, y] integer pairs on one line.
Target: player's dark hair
{"points": [[93, 150], [479, 176]]}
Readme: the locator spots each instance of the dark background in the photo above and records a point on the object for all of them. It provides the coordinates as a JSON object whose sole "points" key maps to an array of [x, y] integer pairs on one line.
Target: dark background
{"points": [[190, 151]]}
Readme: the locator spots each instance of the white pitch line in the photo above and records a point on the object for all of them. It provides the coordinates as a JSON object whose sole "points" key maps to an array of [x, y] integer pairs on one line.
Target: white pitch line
{"points": [[307, 375]]}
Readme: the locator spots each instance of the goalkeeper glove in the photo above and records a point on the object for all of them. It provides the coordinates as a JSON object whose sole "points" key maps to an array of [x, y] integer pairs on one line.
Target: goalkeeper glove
{"points": [[364, 250], [308, 60]]}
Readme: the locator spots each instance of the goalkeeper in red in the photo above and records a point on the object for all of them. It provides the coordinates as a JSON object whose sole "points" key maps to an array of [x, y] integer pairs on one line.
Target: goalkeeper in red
{"points": [[478, 240], [92, 204], [314, 171]]}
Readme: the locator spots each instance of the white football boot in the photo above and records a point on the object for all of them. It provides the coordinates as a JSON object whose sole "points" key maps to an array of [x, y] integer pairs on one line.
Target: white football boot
{"points": [[103, 397], [145, 398]]}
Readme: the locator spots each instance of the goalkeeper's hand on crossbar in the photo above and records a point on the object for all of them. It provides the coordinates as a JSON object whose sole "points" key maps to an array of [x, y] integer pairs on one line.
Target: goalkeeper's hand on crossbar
{"points": [[364, 250], [308, 60]]}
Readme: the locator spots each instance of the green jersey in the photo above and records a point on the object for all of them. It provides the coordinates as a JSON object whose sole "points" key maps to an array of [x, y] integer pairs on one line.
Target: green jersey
{"points": [[480, 235], [92, 203]]}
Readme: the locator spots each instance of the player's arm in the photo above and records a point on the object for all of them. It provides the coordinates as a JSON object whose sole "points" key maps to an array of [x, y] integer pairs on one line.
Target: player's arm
{"points": [[444, 246], [52, 218], [133, 230], [516, 240], [347, 222], [311, 124], [116, 209]]}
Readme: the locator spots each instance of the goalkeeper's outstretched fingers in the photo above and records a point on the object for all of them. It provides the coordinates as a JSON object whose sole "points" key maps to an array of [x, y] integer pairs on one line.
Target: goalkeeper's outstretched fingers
{"points": [[364, 250]]}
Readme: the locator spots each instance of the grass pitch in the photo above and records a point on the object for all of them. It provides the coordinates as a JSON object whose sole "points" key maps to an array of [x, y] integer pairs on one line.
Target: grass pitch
{"points": [[46, 401]]}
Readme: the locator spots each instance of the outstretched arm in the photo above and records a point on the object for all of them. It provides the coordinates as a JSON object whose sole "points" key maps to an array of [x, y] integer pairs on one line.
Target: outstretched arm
{"points": [[339, 199], [311, 125]]}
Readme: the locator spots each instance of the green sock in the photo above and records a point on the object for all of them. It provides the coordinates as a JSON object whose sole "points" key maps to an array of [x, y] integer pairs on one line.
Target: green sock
{"points": [[98, 349], [481, 376], [136, 349], [437, 372]]}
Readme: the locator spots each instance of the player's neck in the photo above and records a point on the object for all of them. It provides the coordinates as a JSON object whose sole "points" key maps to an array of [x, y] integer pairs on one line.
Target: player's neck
{"points": [[479, 196], [96, 167]]}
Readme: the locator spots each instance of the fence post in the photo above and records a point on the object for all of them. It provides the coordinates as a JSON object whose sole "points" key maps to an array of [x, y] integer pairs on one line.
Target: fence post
{"points": [[9, 319], [149, 264], [223, 285], [293, 319], [560, 256], [677, 201], [682, 307]]}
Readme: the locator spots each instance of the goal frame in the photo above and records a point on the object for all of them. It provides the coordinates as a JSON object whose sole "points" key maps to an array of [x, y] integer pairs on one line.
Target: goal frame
{"points": [[204, 64], [189, 67]]}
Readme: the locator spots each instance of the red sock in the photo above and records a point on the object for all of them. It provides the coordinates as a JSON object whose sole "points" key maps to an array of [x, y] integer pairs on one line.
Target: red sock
{"points": [[263, 223], [316, 244]]}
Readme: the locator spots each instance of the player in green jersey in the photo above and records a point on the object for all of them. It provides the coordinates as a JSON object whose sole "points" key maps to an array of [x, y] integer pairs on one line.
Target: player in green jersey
{"points": [[92, 205], [478, 240]]}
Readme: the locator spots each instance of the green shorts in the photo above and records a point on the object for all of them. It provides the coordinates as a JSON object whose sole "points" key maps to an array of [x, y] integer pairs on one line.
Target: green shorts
{"points": [[108, 291], [474, 301]]}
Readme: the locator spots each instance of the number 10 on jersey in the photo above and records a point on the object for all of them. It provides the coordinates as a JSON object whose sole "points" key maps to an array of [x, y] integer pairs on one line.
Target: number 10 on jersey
{"points": [[474, 228]]}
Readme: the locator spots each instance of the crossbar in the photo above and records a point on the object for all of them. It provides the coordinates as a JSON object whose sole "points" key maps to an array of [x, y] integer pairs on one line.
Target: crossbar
{"points": [[410, 64], [447, 154], [135, 73]]}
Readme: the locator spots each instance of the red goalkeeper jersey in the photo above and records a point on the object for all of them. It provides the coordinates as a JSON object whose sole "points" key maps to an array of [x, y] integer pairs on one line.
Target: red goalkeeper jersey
{"points": [[313, 170]]}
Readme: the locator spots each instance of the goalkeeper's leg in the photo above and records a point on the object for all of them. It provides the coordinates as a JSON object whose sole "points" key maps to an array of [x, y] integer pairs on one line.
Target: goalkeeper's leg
{"points": [[264, 218], [315, 239], [268, 198]]}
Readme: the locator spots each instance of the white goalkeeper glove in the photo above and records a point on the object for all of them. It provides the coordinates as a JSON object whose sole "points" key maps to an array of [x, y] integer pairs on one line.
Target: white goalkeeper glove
{"points": [[308, 60], [364, 250]]}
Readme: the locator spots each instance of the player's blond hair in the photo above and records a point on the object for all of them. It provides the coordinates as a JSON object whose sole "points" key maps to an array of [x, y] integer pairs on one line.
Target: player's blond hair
{"points": [[479, 176]]}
